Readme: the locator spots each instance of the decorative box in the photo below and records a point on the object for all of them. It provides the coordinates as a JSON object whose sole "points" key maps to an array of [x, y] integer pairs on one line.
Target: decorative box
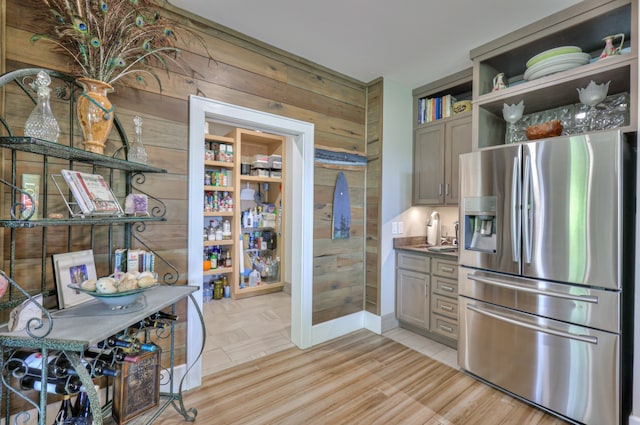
{"points": [[260, 164], [136, 389], [260, 172], [275, 161]]}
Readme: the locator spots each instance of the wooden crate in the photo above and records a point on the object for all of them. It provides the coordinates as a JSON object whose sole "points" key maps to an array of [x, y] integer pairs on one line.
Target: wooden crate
{"points": [[137, 387]]}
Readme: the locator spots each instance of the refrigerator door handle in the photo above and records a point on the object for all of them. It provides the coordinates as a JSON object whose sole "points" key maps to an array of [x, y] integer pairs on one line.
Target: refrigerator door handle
{"points": [[526, 209], [515, 217], [536, 328], [580, 298]]}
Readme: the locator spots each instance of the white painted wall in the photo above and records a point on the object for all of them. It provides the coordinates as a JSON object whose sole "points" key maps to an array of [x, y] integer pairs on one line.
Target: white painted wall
{"points": [[396, 180]]}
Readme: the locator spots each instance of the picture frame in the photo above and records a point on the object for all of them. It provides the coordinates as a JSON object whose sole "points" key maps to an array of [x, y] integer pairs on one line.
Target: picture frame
{"points": [[73, 268]]}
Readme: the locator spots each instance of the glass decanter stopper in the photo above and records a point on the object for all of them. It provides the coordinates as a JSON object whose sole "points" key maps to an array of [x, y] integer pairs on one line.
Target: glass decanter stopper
{"points": [[137, 153], [41, 122]]}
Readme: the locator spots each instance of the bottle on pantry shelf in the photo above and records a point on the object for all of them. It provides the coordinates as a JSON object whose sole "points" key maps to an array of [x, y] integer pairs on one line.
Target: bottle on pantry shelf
{"points": [[227, 260], [226, 229], [214, 259], [211, 231], [254, 278], [207, 292], [206, 261], [207, 179]]}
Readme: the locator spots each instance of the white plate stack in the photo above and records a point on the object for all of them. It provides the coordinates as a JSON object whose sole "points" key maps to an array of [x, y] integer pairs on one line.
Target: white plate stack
{"points": [[555, 60]]}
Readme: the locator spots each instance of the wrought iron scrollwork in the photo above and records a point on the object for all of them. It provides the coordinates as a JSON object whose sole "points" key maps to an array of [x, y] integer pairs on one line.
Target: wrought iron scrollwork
{"points": [[158, 208]]}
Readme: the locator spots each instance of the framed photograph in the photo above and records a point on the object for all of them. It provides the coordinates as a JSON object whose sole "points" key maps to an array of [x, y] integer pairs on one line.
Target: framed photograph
{"points": [[73, 268]]}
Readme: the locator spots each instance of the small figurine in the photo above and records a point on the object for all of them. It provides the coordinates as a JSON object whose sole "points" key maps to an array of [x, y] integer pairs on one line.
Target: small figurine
{"points": [[609, 49], [498, 82]]}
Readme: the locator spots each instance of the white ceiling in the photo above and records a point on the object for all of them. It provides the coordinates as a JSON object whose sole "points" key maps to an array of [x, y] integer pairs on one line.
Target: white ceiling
{"points": [[411, 42]]}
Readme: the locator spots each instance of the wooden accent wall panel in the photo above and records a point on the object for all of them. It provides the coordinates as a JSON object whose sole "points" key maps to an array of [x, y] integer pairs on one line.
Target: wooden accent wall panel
{"points": [[244, 72], [374, 176]]}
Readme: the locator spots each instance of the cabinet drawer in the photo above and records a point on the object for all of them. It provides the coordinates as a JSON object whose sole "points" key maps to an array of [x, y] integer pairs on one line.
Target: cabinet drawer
{"points": [[444, 286], [444, 326], [416, 262], [446, 268], [445, 306]]}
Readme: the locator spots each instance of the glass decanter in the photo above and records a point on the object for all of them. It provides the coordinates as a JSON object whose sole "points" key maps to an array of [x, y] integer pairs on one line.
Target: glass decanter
{"points": [[41, 122], [137, 153]]}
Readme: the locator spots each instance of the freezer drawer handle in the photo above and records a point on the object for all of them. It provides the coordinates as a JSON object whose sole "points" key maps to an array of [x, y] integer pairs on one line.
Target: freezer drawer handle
{"points": [[583, 298], [583, 338]]}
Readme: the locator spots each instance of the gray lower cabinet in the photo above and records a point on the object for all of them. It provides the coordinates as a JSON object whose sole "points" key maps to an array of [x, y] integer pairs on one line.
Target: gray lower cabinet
{"points": [[444, 298], [412, 289], [427, 295]]}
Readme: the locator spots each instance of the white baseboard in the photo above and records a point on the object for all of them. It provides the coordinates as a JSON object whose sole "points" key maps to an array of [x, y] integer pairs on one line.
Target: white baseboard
{"points": [[634, 420], [178, 373], [336, 328]]}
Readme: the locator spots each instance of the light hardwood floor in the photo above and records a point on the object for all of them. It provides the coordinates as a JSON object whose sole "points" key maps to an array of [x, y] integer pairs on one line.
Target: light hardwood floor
{"points": [[362, 378]]}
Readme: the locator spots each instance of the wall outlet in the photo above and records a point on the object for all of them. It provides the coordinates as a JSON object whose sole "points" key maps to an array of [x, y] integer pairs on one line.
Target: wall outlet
{"points": [[394, 227]]}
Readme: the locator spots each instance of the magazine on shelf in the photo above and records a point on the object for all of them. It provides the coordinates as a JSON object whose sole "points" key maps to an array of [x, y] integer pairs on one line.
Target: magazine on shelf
{"points": [[92, 193]]}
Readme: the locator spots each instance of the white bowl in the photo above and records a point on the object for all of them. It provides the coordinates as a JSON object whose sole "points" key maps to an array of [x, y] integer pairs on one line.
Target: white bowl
{"points": [[117, 300]]}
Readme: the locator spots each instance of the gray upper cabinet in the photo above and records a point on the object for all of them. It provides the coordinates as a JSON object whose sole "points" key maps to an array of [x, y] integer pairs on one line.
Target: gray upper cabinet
{"points": [[436, 149], [438, 143]]}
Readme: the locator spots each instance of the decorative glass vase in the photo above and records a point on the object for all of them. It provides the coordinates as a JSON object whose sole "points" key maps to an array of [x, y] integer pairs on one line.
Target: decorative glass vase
{"points": [[95, 114], [137, 153], [41, 122]]}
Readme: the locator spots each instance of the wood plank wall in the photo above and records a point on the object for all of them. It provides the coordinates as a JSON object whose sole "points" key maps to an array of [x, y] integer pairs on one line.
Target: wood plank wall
{"points": [[252, 74], [374, 175]]}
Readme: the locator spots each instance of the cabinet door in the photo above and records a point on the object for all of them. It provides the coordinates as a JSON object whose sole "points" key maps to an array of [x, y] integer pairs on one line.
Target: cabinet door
{"points": [[412, 303], [428, 165], [457, 141]]}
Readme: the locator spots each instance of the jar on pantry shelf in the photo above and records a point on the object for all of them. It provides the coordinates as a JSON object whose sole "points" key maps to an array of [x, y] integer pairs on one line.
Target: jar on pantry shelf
{"points": [[226, 229], [218, 289]]}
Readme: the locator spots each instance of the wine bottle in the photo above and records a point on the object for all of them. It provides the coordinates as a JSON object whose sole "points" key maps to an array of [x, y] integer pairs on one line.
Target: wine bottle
{"points": [[60, 367], [65, 413], [82, 409], [70, 385], [127, 344], [161, 315]]}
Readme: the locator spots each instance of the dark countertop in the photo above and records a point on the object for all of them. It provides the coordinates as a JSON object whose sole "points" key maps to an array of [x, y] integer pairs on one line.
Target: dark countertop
{"points": [[417, 244]]}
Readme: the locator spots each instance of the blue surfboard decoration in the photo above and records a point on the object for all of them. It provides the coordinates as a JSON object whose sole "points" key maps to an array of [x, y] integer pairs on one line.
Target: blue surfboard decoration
{"points": [[341, 209]]}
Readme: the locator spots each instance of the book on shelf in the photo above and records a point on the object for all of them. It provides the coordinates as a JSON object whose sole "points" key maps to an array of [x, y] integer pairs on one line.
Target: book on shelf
{"points": [[434, 108], [92, 193], [133, 260]]}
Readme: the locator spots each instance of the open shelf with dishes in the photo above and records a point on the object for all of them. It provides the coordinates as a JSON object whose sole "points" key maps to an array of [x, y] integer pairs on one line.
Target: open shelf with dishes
{"points": [[583, 26]]}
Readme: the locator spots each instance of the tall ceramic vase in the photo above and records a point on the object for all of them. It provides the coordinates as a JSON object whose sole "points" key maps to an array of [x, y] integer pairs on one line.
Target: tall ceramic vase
{"points": [[95, 114]]}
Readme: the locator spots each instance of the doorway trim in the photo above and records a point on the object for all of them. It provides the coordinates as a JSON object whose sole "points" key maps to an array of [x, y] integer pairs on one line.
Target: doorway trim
{"points": [[298, 210]]}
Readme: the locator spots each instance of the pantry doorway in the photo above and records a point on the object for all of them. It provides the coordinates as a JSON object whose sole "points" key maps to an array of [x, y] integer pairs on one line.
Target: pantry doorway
{"points": [[299, 195]]}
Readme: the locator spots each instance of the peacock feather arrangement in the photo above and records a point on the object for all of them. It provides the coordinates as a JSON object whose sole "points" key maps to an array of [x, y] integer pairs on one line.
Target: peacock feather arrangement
{"points": [[108, 40]]}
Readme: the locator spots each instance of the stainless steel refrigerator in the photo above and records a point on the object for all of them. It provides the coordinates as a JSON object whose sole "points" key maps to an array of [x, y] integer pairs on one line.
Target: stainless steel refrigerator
{"points": [[546, 283]]}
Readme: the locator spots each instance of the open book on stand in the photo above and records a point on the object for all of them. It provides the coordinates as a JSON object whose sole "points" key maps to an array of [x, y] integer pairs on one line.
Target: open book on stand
{"points": [[92, 193]]}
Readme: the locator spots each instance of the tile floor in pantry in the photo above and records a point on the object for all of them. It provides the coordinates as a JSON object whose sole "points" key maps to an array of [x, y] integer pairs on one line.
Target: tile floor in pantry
{"points": [[250, 328]]}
